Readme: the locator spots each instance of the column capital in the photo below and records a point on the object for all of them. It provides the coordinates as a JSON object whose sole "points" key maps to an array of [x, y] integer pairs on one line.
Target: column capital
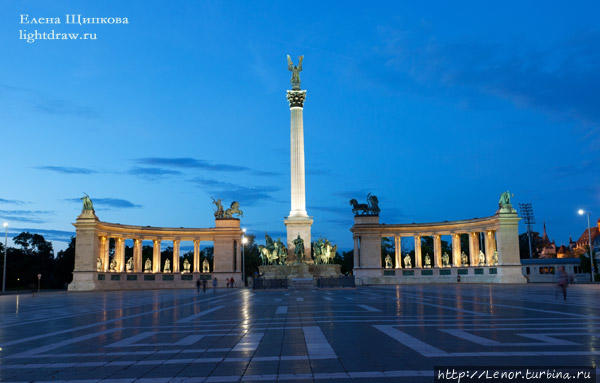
{"points": [[296, 98]]}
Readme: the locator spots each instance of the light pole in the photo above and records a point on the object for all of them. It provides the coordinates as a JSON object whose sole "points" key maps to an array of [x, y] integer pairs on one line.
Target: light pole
{"points": [[5, 224], [592, 268], [244, 241]]}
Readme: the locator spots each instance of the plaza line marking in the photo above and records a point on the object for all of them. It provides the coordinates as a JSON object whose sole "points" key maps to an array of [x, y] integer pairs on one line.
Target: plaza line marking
{"points": [[200, 314], [410, 341], [36, 337], [249, 342], [281, 310], [369, 308], [316, 343], [300, 299], [543, 339], [328, 298]]}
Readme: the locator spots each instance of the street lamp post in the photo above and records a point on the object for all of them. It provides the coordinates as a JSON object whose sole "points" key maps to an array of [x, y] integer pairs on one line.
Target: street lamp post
{"points": [[5, 250], [244, 241], [592, 268]]}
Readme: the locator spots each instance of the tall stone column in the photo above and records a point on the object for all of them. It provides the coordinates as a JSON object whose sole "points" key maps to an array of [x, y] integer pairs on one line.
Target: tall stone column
{"points": [[176, 248], [137, 255], [197, 256], [490, 246], [437, 250], [456, 261], [398, 251], [418, 255], [474, 249], [120, 254], [298, 223], [156, 266], [105, 252]]}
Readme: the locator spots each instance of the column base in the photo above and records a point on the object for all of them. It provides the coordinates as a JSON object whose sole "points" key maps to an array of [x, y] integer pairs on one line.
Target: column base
{"points": [[298, 226]]}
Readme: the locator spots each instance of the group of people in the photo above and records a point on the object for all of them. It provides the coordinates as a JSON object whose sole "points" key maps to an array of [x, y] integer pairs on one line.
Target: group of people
{"points": [[203, 283]]}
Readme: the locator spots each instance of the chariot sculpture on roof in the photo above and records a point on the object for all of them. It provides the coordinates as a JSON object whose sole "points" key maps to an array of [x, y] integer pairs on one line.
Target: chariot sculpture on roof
{"points": [[369, 208]]}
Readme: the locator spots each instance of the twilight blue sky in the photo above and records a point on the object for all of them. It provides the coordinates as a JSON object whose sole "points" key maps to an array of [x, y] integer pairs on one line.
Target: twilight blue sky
{"points": [[436, 108]]}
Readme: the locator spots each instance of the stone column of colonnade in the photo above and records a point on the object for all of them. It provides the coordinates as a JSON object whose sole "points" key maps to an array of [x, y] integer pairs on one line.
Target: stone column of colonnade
{"points": [[398, 251], [456, 261], [156, 266], [196, 256], [418, 256], [176, 249], [120, 254], [104, 252], [437, 250], [474, 248], [490, 246], [137, 256]]}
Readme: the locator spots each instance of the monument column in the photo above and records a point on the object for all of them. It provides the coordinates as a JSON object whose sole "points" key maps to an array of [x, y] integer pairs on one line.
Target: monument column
{"points": [[175, 255], [298, 223], [156, 256]]}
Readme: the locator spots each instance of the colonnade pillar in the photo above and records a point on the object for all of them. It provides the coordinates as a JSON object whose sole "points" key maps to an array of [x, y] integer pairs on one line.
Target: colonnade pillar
{"points": [[120, 254], [104, 254], [418, 256], [398, 251], [490, 246], [437, 250], [137, 255], [197, 256], [456, 261], [356, 252], [176, 255], [156, 266], [474, 249]]}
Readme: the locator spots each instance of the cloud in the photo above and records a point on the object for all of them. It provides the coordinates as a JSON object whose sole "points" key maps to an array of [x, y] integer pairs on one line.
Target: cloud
{"points": [[151, 172], [560, 79], [12, 201], [48, 234], [194, 163], [228, 191], [30, 216], [342, 210], [109, 202], [66, 169]]}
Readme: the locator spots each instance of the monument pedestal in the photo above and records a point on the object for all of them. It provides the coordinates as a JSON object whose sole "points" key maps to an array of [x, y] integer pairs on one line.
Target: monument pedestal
{"points": [[298, 226]]}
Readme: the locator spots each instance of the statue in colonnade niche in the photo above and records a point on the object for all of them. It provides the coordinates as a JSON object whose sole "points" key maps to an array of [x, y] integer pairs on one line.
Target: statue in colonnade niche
{"points": [[481, 258], [464, 260], [129, 265], [167, 268], [205, 266], [299, 249], [445, 260], [407, 262], [495, 258], [98, 264], [148, 266], [112, 267], [186, 265], [388, 262], [427, 261]]}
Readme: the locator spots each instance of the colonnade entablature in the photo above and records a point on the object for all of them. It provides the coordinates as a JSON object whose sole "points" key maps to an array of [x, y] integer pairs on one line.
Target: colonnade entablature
{"points": [[94, 262]]}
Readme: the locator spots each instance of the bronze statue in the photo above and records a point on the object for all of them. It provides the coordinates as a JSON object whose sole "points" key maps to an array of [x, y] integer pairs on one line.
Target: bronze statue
{"points": [[98, 264], [186, 266], [233, 209], [299, 249], [427, 261], [464, 259], [295, 71], [219, 211], [87, 202], [148, 266], [445, 260], [388, 262], [167, 268], [129, 265], [369, 208], [113, 265], [274, 252], [358, 207]]}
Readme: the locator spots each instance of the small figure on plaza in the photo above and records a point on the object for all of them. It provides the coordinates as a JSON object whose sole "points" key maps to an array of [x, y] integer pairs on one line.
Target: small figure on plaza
{"points": [[427, 261], [464, 259], [495, 258], [445, 260], [98, 264], [112, 266], [407, 262], [129, 265], [148, 266], [295, 69], [167, 268], [205, 266], [186, 265], [481, 258], [299, 249], [388, 262]]}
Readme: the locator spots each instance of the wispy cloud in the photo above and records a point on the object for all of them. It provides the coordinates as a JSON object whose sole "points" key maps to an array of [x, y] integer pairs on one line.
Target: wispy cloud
{"points": [[152, 172], [12, 201], [48, 234], [243, 194], [109, 202], [195, 163], [66, 169], [30, 216]]}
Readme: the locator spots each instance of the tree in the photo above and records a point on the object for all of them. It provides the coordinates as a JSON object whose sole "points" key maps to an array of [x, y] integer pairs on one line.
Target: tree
{"points": [[387, 248], [537, 244], [64, 264]]}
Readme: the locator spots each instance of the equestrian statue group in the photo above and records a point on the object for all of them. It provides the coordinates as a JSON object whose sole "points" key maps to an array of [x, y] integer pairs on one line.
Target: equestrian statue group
{"points": [[369, 208], [275, 252]]}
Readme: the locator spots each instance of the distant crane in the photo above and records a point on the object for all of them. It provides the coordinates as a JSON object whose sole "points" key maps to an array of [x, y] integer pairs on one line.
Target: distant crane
{"points": [[526, 210]]}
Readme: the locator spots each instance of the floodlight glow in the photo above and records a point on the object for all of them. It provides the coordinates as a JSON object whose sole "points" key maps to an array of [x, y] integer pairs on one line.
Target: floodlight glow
{"points": [[580, 211]]}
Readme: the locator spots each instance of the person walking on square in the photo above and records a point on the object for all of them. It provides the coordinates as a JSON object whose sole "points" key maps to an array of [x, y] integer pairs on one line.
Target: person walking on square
{"points": [[198, 286], [204, 286], [563, 281], [214, 285], [231, 282]]}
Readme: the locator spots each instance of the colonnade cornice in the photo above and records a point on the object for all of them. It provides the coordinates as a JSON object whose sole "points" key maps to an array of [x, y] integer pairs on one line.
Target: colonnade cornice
{"points": [[429, 229]]}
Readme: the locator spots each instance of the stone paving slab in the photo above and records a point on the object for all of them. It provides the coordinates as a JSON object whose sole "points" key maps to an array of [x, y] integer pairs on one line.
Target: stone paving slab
{"points": [[374, 334]]}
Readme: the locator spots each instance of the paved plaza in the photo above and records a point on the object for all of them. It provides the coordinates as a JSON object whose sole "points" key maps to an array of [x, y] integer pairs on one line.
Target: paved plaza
{"points": [[387, 334]]}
